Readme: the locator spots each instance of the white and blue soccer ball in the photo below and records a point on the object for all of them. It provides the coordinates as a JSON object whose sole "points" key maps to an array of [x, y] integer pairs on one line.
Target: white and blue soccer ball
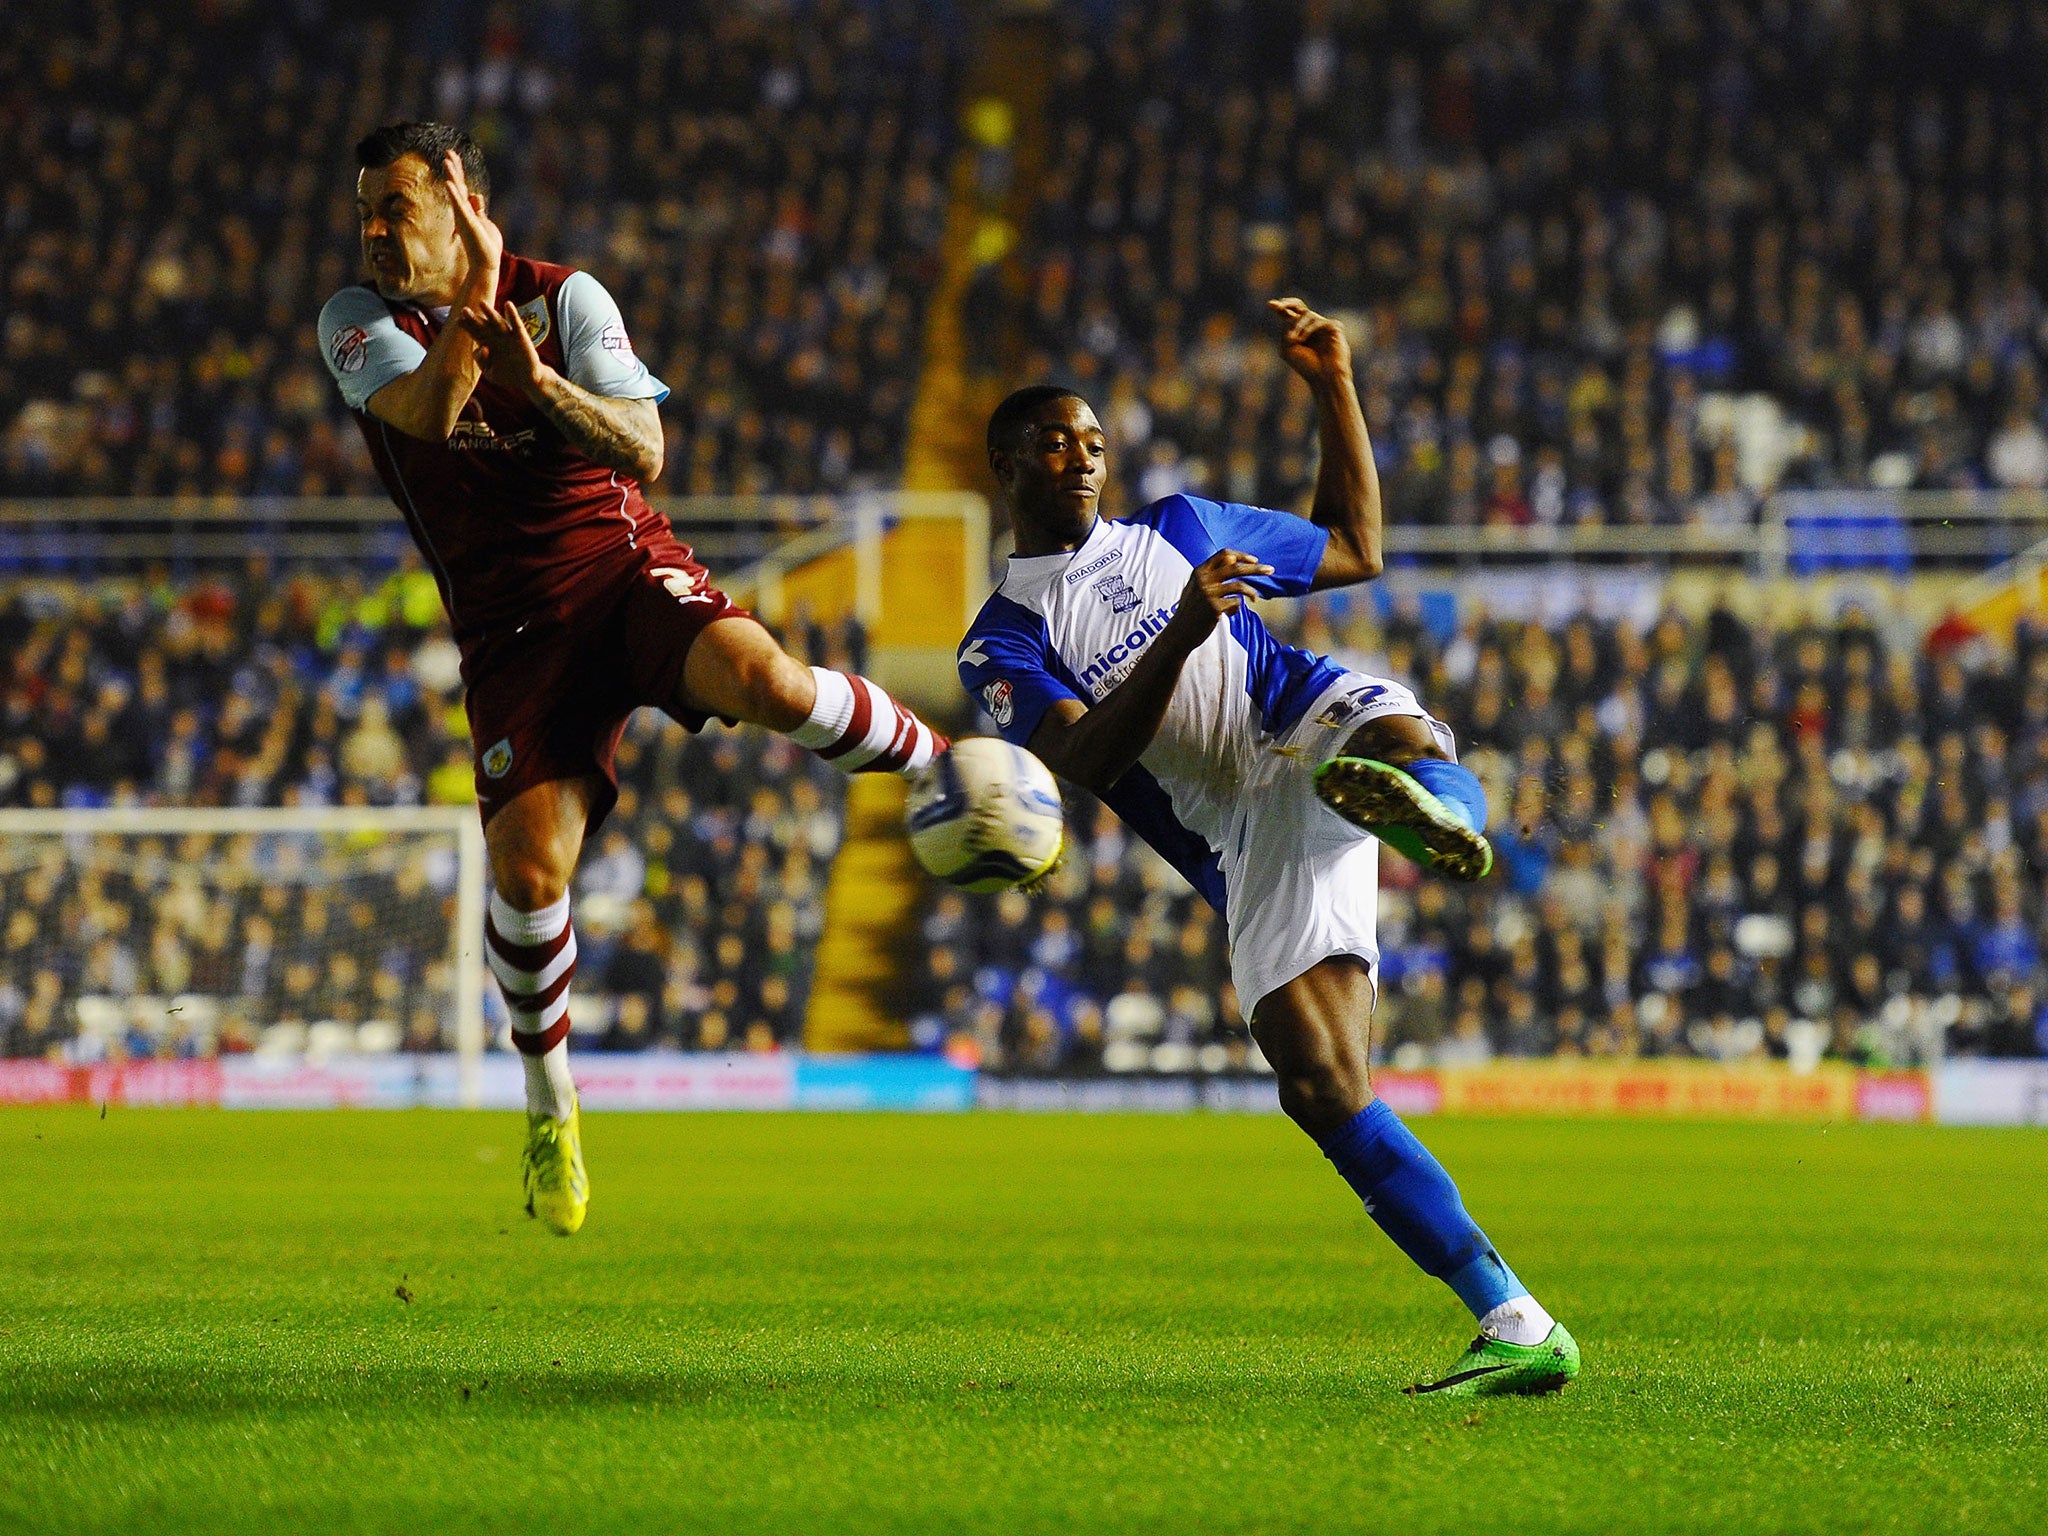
{"points": [[986, 816]]}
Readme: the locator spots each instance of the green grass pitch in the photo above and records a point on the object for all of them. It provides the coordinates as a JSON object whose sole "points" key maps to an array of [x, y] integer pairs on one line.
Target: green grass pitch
{"points": [[1002, 1323]]}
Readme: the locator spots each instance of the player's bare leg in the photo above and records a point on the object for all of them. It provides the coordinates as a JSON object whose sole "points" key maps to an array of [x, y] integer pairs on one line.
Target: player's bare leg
{"points": [[736, 670], [1396, 739], [1397, 779], [1316, 1032], [533, 843]]}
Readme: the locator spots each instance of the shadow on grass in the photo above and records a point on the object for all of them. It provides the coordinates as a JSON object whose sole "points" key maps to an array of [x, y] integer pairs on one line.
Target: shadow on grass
{"points": [[120, 1392]]}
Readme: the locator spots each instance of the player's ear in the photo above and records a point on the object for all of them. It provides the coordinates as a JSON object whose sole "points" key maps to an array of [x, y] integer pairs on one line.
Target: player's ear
{"points": [[1000, 465]]}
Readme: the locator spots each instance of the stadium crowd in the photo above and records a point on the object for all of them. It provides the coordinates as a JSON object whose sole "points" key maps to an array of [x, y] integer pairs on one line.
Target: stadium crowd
{"points": [[697, 904], [1570, 238], [1716, 838], [764, 200]]}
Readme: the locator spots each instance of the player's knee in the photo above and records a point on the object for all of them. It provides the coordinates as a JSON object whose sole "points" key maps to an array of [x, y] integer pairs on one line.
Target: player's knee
{"points": [[1320, 1096], [788, 688], [759, 681], [1395, 739], [528, 884]]}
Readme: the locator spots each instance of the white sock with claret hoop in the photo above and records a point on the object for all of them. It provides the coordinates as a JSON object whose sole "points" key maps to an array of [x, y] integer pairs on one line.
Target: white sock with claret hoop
{"points": [[533, 955], [858, 728]]}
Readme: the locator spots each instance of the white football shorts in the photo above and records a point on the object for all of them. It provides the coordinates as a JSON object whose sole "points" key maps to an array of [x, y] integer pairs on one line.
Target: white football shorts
{"points": [[1302, 883]]}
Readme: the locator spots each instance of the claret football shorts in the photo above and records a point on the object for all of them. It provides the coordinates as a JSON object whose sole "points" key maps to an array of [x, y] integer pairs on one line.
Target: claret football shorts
{"points": [[550, 700], [1302, 883]]}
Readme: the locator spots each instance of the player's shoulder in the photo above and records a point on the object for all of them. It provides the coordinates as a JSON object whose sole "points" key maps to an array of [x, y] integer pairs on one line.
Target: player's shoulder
{"points": [[524, 277], [357, 304], [1186, 522], [1183, 517], [1005, 627], [1172, 508]]}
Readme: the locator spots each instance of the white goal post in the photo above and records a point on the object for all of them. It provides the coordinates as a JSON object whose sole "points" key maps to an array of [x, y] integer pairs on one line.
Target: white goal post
{"points": [[364, 829]]}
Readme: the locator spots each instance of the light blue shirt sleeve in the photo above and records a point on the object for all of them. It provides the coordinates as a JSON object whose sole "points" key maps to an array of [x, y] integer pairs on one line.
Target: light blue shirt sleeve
{"points": [[1006, 669], [596, 353], [364, 348], [1292, 545]]}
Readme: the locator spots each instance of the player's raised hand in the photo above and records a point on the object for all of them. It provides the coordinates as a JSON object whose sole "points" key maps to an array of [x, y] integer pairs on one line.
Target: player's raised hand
{"points": [[480, 236], [1314, 345], [504, 348], [1217, 588]]}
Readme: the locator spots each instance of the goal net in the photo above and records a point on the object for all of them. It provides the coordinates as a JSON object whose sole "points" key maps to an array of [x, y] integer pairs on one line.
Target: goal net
{"points": [[152, 933]]}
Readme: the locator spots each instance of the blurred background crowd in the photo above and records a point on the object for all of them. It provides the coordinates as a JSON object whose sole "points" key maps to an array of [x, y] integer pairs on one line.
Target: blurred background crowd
{"points": [[698, 903], [1626, 264], [764, 202]]}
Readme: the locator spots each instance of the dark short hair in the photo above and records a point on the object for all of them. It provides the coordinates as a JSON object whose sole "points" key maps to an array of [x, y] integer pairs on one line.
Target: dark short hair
{"points": [[431, 142], [1018, 408]]}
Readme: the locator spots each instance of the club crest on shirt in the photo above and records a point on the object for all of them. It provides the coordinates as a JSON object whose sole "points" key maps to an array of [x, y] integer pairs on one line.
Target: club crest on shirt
{"points": [[1115, 591], [350, 349], [498, 759], [1001, 701], [535, 314]]}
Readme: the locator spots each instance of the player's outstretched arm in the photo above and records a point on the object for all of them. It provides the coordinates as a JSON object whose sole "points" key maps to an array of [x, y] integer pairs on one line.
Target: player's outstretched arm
{"points": [[1348, 484], [426, 402], [624, 435], [1096, 747]]}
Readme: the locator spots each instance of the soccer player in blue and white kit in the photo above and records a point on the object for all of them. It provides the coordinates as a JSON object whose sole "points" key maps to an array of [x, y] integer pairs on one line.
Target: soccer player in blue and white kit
{"points": [[1127, 656]]}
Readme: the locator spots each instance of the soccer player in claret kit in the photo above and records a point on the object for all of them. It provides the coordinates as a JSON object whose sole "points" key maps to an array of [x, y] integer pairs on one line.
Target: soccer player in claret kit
{"points": [[1126, 655], [513, 426]]}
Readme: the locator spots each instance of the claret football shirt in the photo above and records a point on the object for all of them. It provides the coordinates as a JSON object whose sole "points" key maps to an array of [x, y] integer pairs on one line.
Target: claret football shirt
{"points": [[515, 522]]}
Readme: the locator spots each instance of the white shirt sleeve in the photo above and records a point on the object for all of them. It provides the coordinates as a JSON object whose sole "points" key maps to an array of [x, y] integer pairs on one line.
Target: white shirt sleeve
{"points": [[364, 348], [597, 354]]}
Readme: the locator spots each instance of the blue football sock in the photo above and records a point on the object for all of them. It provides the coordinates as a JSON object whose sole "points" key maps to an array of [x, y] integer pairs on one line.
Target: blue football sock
{"points": [[1454, 784], [1415, 1203]]}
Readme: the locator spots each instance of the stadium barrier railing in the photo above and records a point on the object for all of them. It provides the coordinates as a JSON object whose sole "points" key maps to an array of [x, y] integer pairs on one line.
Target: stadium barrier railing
{"points": [[753, 544], [912, 566], [759, 542]]}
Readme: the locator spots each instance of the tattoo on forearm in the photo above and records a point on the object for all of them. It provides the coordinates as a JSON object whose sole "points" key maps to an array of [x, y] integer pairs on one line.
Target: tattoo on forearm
{"points": [[616, 433]]}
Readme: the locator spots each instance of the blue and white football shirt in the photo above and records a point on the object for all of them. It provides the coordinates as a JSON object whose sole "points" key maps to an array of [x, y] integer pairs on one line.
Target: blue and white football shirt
{"points": [[1073, 625]]}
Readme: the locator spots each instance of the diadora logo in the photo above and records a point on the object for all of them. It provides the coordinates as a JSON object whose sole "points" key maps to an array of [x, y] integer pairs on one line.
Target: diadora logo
{"points": [[1109, 665], [1082, 573], [1115, 591]]}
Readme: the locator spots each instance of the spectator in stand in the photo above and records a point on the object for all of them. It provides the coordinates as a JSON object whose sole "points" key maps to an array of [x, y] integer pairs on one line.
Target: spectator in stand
{"points": [[1566, 238], [303, 688], [767, 214]]}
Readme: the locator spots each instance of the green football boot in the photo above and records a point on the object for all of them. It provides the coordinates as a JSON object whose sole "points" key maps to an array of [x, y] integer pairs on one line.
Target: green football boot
{"points": [[1393, 807], [1492, 1367]]}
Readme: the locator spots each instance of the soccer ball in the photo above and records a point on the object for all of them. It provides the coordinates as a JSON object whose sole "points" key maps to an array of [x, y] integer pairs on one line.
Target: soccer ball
{"points": [[985, 816]]}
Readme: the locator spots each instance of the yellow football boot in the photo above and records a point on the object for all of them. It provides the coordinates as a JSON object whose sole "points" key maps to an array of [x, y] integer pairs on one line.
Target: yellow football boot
{"points": [[557, 1188]]}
